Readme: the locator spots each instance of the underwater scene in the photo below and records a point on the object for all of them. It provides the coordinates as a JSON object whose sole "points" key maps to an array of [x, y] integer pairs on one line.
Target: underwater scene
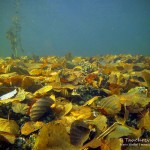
{"points": [[74, 74]]}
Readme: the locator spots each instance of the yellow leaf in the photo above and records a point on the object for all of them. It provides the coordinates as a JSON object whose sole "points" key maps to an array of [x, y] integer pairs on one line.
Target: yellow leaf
{"points": [[19, 97], [30, 127], [67, 108], [9, 126], [53, 97], [53, 136], [89, 102], [43, 91], [146, 75], [122, 130], [20, 108], [110, 105], [101, 123], [82, 112], [7, 137], [112, 144], [145, 121]]}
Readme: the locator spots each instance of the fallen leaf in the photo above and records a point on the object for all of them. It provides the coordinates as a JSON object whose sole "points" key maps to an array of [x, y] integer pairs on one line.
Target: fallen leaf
{"points": [[101, 123], [8, 95], [31, 126], [67, 108], [20, 108], [43, 91], [145, 121], [79, 133], [122, 130], [7, 137], [53, 136], [109, 105], [9, 126], [83, 112], [19, 97], [89, 102]]}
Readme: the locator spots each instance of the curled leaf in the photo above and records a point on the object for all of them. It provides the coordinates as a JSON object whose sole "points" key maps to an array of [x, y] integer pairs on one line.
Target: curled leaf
{"points": [[8, 95], [40, 107], [79, 133]]}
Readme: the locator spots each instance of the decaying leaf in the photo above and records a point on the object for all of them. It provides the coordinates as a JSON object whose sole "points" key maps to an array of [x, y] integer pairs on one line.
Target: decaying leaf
{"points": [[36, 72], [9, 126], [31, 126], [79, 133], [90, 99], [110, 105], [7, 137], [83, 112], [19, 97], [67, 108], [40, 107], [96, 142], [135, 102], [100, 122], [122, 130], [20, 108], [27, 82], [43, 91], [145, 121], [118, 78], [89, 102], [112, 144], [53, 137], [146, 75], [8, 95]]}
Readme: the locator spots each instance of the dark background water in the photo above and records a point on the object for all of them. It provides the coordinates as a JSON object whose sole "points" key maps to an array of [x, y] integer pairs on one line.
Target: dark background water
{"points": [[82, 27]]}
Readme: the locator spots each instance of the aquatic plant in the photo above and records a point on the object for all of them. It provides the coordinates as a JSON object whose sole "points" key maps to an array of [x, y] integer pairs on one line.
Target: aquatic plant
{"points": [[13, 34]]}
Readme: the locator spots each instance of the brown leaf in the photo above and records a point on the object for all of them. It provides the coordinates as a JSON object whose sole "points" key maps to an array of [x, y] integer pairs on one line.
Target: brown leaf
{"points": [[27, 82], [40, 107], [79, 133]]}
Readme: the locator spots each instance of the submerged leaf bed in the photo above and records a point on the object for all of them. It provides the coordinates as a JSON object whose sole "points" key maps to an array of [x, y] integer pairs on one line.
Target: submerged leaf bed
{"points": [[75, 103]]}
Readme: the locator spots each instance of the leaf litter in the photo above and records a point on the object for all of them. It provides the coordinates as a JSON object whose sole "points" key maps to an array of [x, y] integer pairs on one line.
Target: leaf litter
{"points": [[74, 103]]}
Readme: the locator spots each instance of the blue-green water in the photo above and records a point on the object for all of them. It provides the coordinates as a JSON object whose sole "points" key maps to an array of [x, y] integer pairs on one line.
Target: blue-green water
{"points": [[82, 27]]}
